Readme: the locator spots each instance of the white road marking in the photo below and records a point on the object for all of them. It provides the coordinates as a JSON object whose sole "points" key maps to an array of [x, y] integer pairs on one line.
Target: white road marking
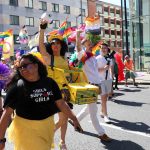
{"points": [[125, 130]]}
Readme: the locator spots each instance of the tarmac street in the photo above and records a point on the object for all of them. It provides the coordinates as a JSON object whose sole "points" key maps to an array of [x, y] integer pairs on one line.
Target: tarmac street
{"points": [[130, 129]]}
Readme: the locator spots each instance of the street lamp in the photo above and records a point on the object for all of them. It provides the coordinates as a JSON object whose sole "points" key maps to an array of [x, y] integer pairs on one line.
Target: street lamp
{"points": [[77, 20], [81, 12]]}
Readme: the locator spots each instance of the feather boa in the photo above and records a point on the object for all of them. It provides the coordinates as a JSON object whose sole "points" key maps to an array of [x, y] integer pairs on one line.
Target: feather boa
{"points": [[86, 56], [4, 75]]}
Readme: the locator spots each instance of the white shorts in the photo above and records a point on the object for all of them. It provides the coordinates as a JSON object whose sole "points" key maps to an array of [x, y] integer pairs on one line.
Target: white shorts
{"points": [[106, 86]]}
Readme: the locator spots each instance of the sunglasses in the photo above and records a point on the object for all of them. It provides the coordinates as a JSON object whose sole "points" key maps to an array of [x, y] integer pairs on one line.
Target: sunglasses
{"points": [[24, 66], [55, 43]]}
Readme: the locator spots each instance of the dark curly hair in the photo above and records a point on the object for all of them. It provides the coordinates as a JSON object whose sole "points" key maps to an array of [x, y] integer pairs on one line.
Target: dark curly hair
{"points": [[64, 47], [42, 70], [41, 67]]}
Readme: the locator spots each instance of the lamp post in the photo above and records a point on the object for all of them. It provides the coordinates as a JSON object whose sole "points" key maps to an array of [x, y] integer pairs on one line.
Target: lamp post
{"points": [[126, 28], [81, 12], [77, 20]]}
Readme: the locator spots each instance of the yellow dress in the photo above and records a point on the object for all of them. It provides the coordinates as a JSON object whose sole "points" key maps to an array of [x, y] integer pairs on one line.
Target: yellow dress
{"points": [[31, 134], [56, 74]]}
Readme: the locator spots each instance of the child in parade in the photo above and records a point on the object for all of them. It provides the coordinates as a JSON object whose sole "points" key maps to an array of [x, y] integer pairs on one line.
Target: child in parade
{"points": [[129, 70]]}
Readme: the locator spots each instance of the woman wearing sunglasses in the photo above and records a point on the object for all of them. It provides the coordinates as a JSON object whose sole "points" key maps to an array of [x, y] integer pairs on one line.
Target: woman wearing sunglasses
{"points": [[35, 99]]}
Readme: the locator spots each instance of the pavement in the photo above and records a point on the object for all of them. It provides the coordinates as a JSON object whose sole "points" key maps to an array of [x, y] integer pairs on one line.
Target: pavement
{"points": [[142, 78]]}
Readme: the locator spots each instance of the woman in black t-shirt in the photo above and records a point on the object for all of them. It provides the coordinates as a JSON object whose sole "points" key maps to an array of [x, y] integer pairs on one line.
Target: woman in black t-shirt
{"points": [[35, 99]]}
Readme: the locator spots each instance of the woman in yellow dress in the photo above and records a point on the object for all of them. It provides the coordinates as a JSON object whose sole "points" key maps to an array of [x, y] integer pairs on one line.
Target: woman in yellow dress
{"points": [[53, 55]]}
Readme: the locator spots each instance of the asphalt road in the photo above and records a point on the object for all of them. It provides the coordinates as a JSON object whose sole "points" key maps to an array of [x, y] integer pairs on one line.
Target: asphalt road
{"points": [[129, 112]]}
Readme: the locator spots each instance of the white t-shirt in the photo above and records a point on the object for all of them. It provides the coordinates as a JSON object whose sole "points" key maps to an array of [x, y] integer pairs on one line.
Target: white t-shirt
{"points": [[90, 68], [102, 62]]}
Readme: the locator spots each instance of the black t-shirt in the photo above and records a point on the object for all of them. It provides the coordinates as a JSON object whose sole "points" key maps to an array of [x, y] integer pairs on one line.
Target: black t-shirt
{"points": [[34, 100]]}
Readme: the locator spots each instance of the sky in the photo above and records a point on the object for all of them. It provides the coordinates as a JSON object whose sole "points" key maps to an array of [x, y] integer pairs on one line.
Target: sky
{"points": [[116, 2]]}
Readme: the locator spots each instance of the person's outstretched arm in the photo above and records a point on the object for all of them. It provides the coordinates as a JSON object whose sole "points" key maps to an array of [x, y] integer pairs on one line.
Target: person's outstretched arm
{"points": [[5, 120], [42, 47], [62, 105], [78, 41]]}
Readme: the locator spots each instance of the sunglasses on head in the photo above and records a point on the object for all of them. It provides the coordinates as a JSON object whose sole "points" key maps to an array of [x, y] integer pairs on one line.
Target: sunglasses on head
{"points": [[24, 66]]}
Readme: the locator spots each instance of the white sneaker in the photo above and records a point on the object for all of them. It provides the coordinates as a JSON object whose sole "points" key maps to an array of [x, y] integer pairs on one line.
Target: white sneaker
{"points": [[106, 119]]}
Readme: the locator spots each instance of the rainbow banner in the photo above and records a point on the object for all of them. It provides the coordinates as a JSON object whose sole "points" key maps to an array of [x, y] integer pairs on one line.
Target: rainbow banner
{"points": [[7, 43]]}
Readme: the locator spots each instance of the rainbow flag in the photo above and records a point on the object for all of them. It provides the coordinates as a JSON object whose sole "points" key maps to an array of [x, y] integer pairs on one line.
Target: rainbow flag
{"points": [[6, 33], [96, 49], [62, 28], [53, 32], [67, 32]]}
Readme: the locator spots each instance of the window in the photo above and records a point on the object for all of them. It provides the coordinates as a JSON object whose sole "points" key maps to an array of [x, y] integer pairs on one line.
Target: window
{"points": [[66, 9], [13, 2], [56, 23], [68, 24], [15, 38], [99, 8], [55, 7], [29, 3], [14, 20], [29, 21], [43, 5]]}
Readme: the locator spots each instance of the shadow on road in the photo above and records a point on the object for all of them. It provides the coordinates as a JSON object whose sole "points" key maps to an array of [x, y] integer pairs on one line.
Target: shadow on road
{"points": [[122, 145], [90, 134], [140, 87], [133, 126], [130, 90], [116, 94], [128, 103]]}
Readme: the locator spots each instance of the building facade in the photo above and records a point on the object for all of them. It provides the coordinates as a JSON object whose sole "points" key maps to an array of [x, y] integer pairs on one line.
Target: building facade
{"points": [[111, 23], [16, 13]]}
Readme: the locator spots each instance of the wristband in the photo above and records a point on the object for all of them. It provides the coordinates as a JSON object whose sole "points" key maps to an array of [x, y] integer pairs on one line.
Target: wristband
{"points": [[43, 26], [2, 140]]}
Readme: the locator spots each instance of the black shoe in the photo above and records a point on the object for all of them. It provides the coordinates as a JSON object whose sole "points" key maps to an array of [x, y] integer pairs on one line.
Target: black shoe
{"points": [[135, 84], [77, 129], [117, 88]]}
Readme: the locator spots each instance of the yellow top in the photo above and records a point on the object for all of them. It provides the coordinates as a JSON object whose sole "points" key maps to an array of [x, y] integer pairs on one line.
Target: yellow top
{"points": [[56, 74], [60, 62]]}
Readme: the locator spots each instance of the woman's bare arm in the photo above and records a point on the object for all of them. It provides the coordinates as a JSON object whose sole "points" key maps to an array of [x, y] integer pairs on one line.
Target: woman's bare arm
{"points": [[78, 41], [4, 121], [62, 105], [42, 47]]}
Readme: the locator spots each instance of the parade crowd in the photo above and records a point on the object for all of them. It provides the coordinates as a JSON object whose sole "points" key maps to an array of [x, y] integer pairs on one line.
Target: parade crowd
{"points": [[33, 97]]}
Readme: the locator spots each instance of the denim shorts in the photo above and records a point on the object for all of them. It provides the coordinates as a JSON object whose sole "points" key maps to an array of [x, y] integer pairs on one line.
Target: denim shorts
{"points": [[106, 87]]}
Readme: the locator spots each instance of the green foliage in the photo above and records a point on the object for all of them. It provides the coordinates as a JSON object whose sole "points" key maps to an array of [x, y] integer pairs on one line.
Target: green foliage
{"points": [[93, 38]]}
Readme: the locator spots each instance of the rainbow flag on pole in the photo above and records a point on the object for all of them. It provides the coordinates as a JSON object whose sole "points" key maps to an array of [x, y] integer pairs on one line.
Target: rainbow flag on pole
{"points": [[62, 28]]}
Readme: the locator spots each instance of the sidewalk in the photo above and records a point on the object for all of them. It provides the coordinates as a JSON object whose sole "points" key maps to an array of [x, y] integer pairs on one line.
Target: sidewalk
{"points": [[142, 78]]}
